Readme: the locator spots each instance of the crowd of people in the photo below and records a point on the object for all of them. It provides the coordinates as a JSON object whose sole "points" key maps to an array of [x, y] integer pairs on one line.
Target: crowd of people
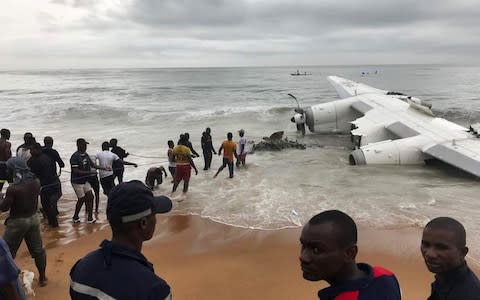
{"points": [[119, 270]]}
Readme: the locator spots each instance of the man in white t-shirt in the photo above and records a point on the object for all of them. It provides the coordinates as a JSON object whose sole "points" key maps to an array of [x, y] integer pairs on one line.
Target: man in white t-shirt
{"points": [[242, 142], [105, 160]]}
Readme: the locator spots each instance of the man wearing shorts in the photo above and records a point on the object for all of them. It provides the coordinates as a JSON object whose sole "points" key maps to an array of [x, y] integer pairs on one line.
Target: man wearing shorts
{"points": [[5, 154], [184, 164], [229, 150], [81, 165]]}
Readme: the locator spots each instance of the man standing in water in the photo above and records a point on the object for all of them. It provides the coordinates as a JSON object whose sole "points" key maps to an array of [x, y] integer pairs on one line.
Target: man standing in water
{"points": [[106, 159], [184, 162], [81, 169], [5, 154], [242, 142], [171, 159], [229, 150], [45, 170], [444, 249], [207, 148], [22, 222], [328, 252], [118, 168]]}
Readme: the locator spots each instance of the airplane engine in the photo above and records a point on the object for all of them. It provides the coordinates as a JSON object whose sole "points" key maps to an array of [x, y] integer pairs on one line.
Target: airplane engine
{"points": [[398, 152], [332, 116]]}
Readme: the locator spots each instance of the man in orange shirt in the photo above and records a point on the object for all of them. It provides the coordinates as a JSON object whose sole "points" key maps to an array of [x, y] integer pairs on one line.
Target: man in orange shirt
{"points": [[184, 164], [230, 150]]}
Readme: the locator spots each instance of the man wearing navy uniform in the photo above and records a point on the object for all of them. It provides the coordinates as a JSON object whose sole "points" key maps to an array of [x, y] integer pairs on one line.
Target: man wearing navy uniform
{"points": [[118, 270], [329, 248], [444, 249]]}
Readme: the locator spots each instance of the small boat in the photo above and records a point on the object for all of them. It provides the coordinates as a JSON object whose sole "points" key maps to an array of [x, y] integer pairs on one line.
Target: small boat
{"points": [[300, 73]]}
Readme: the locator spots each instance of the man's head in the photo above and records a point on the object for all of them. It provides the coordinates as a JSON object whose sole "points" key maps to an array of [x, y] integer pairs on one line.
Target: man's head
{"points": [[329, 244], [113, 142], [208, 130], [182, 140], [105, 145], [48, 141], [187, 136], [27, 136], [131, 210], [82, 145], [241, 132], [443, 245], [29, 140], [170, 144], [36, 149], [5, 133], [229, 136]]}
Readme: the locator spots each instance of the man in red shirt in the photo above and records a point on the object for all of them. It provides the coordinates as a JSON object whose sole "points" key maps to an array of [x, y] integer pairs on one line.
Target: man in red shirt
{"points": [[229, 151]]}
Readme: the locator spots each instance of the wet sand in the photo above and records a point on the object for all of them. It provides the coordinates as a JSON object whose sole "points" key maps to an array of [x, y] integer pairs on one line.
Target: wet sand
{"points": [[202, 259]]}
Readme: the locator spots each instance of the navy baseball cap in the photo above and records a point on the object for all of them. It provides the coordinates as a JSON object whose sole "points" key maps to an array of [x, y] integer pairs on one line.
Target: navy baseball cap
{"points": [[130, 201], [82, 141]]}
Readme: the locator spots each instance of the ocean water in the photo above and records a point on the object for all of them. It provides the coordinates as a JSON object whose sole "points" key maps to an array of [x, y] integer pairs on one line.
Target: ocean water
{"points": [[143, 108]]}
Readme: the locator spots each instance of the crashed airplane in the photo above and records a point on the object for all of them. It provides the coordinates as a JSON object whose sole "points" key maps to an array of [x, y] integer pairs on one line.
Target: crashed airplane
{"points": [[391, 128]]}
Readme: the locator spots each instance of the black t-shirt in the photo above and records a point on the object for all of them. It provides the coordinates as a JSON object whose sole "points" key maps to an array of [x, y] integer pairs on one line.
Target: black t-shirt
{"points": [[458, 284], [117, 165], [80, 161], [44, 168], [53, 154]]}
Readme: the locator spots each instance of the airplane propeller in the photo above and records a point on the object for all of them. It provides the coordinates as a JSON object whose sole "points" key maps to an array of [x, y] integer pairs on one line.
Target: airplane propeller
{"points": [[299, 117]]}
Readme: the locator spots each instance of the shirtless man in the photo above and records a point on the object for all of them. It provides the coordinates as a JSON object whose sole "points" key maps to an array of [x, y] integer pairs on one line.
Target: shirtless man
{"points": [[155, 174], [5, 154], [23, 223], [171, 159]]}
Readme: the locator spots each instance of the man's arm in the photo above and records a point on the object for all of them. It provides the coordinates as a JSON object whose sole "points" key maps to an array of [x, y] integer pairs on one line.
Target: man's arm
{"points": [[128, 163], [93, 164], [192, 164], [220, 150], [58, 159], [6, 201], [193, 150], [163, 170], [7, 150]]}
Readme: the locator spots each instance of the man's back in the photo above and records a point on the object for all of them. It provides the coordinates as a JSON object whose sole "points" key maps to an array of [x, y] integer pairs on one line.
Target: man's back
{"points": [[5, 150], [118, 272], [182, 154], [105, 160], [24, 198], [229, 147], [44, 168]]}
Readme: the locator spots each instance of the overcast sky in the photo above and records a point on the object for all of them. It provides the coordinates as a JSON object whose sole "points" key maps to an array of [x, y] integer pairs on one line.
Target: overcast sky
{"points": [[206, 33]]}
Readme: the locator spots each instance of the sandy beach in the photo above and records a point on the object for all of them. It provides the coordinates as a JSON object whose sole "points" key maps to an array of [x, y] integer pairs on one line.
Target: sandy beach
{"points": [[202, 259]]}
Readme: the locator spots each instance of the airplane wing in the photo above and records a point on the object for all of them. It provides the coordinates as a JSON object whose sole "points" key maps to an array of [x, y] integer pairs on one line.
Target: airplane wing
{"points": [[464, 154], [395, 129]]}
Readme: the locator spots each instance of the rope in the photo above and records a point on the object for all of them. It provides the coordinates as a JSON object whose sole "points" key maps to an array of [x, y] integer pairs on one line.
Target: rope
{"points": [[91, 175], [143, 156]]}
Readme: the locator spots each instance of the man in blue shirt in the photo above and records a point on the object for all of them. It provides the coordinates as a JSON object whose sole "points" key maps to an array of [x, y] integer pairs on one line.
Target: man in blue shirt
{"points": [[10, 288], [329, 248], [118, 270], [444, 250]]}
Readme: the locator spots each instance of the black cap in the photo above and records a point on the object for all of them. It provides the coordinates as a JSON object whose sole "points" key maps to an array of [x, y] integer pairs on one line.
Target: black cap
{"points": [[82, 141], [130, 201]]}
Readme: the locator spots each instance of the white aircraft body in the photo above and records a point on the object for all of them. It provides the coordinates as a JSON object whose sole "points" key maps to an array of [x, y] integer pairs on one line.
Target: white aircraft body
{"points": [[392, 128]]}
